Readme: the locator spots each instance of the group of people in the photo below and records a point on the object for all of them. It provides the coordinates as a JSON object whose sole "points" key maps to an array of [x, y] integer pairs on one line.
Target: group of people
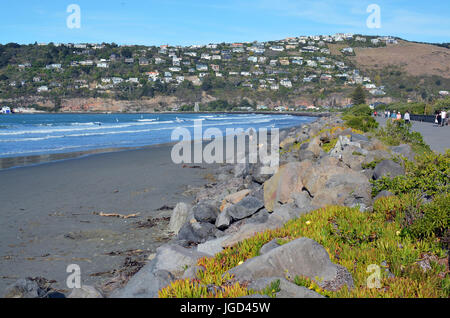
{"points": [[441, 118], [396, 115]]}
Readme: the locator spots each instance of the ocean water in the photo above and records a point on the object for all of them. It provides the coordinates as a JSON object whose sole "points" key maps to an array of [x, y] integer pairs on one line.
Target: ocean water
{"points": [[39, 134]]}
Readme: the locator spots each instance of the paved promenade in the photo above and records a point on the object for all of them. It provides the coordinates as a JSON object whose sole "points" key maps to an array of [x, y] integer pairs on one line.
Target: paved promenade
{"points": [[437, 137]]}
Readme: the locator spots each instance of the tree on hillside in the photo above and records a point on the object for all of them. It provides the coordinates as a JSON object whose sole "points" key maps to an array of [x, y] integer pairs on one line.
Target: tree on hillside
{"points": [[358, 96]]}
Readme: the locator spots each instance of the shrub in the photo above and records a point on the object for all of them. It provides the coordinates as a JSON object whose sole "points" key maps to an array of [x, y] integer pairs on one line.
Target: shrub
{"points": [[363, 123], [433, 220], [352, 239], [429, 175], [399, 132]]}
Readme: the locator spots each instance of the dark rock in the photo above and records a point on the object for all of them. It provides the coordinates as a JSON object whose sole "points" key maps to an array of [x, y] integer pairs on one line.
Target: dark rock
{"points": [[197, 232], [388, 168], [204, 212], [259, 217], [223, 221], [245, 208]]}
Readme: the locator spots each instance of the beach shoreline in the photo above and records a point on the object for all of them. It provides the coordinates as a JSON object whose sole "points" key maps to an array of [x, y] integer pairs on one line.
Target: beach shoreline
{"points": [[52, 212]]}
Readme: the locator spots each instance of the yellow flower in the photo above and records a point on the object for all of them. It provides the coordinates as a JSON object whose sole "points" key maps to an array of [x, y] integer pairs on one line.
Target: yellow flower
{"points": [[308, 222], [398, 233], [241, 262]]}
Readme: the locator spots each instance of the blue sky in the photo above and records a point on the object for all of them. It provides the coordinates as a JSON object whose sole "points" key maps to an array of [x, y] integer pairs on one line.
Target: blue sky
{"points": [[185, 22]]}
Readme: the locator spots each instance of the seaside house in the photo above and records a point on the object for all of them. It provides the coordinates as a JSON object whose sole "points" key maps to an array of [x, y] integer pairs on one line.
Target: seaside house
{"points": [[6, 110]]}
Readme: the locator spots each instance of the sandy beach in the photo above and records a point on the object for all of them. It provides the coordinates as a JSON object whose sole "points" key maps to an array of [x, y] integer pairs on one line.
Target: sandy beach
{"points": [[51, 213]]}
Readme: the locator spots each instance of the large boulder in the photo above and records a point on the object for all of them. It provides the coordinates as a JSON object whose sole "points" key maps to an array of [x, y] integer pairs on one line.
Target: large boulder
{"points": [[180, 215], [328, 182], [287, 180], [169, 264], [388, 168], [302, 257], [287, 289], [144, 284], [314, 146], [306, 155]]}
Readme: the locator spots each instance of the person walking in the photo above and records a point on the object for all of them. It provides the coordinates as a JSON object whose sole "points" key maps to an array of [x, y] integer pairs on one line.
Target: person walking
{"points": [[399, 116], [406, 117], [438, 118], [443, 117]]}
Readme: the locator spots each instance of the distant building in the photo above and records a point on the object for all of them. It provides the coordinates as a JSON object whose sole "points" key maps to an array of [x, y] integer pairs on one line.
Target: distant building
{"points": [[6, 110]]}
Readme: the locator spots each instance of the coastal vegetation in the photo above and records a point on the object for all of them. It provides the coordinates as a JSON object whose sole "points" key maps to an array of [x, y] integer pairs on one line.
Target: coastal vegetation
{"points": [[405, 233]]}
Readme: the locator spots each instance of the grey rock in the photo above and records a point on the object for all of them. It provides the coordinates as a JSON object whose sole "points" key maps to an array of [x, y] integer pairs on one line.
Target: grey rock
{"points": [[223, 221], [204, 212], [287, 289], [24, 288], [212, 247], [245, 208], [145, 284], [405, 151], [268, 247], [358, 137], [169, 264], [174, 258], [85, 291], [196, 232], [306, 155], [304, 146], [302, 201], [387, 168], [259, 217], [302, 257], [241, 170], [383, 193], [191, 272], [180, 215]]}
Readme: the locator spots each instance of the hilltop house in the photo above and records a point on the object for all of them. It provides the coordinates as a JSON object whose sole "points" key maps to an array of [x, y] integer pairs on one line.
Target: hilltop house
{"points": [[286, 83], [202, 67], [42, 89], [143, 61]]}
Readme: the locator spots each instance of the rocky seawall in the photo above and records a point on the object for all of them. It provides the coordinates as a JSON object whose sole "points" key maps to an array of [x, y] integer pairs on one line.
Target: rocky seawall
{"points": [[321, 164]]}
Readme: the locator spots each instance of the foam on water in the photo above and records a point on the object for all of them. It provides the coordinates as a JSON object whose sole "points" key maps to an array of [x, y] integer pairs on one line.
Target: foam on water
{"points": [[36, 134]]}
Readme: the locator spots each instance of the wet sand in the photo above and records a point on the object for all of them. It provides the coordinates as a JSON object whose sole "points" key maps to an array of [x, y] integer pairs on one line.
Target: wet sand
{"points": [[49, 213]]}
